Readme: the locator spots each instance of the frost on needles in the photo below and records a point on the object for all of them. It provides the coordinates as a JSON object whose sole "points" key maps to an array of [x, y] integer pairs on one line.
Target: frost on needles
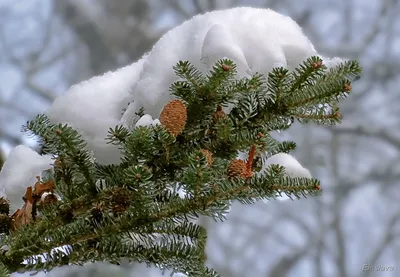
{"points": [[84, 211]]}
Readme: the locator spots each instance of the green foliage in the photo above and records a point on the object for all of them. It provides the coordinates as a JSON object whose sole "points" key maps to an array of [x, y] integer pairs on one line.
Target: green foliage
{"points": [[132, 210]]}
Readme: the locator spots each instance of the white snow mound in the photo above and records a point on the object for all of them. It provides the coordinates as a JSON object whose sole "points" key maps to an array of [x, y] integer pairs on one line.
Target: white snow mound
{"points": [[20, 171], [95, 105], [255, 39], [292, 167]]}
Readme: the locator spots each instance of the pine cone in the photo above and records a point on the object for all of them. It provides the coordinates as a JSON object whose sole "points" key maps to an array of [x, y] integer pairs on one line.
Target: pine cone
{"points": [[4, 206], [5, 223], [208, 156], [96, 215], [49, 199], [219, 114], [236, 168], [174, 116], [121, 199], [66, 215]]}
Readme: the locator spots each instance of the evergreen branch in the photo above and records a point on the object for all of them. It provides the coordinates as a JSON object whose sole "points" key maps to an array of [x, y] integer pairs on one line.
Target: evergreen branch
{"points": [[321, 92], [306, 73], [187, 71], [131, 210], [278, 83], [349, 70], [222, 72], [79, 231], [118, 135], [73, 145], [4, 271]]}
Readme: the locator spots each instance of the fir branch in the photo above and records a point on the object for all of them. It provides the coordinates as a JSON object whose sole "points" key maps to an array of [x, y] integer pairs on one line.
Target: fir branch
{"points": [[306, 73], [131, 210], [117, 135], [187, 71], [222, 72], [4, 271], [278, 83]]}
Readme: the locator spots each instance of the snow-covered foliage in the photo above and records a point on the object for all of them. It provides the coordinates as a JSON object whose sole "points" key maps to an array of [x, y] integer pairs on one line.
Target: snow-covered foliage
{"points": [[256, 39], [292, 167], [20, 171], [95, 105]]}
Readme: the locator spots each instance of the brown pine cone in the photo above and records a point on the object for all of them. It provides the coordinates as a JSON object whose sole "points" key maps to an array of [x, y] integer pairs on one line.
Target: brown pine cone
{"points": [[236, 168], [173, 117], [4, 206], [219, 114]]}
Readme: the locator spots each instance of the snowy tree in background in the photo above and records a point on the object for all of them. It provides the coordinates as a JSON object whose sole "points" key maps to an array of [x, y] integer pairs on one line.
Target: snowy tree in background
{"points": [[116, 198]]}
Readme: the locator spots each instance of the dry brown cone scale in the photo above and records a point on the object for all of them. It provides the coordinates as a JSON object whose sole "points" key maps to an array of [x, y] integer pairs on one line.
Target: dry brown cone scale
{"points": [[32, 197], [173, 117], [24, 216]]}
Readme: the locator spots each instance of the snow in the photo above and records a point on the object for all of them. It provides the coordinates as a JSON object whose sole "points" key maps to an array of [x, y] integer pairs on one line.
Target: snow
{"points": [[256, 39], [292, 167], [95, 105], [147, 120], [20, 171]]}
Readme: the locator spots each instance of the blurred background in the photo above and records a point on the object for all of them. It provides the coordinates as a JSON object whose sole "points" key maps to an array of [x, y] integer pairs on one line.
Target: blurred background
{"points": [[48, 45]]}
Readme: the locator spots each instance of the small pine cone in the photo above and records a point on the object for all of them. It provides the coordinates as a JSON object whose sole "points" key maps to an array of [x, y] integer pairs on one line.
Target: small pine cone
{"points": [[121, 199], [219, 114], [226, 67], [66, 215], [208, 156], [347, 87], [96, 215], [5, 223], [49, 199], [4, 206], [173, 117], [92, 243], [236, 168]]}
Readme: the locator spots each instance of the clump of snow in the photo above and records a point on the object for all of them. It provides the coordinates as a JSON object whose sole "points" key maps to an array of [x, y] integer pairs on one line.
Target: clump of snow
{"points": [[20, 171], [332, 62], [292, 167], [95, 105], [255, 39], [147, 120]]}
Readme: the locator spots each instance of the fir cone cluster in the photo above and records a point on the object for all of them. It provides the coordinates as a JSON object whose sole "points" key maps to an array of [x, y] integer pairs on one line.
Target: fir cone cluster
{"points": [[208, 156], [173, 117], [5, 219]]}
